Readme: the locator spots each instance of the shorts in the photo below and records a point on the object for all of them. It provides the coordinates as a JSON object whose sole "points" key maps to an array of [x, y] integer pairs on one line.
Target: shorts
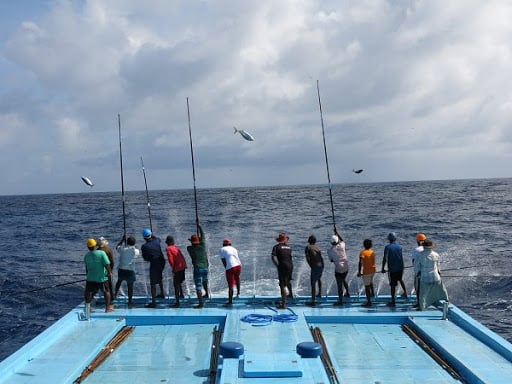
{"points": [[368, 279], [316, 274], [200, 277], [126, 275], [156, 269], [178, 277], [284, 273], [395, 277], [233, 275], [92, 287]]}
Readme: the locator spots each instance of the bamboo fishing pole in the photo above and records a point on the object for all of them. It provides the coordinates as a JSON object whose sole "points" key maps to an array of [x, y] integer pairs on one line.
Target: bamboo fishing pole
{"points": [[147, 193], [122, 178], [193, 167], [325, 152]]}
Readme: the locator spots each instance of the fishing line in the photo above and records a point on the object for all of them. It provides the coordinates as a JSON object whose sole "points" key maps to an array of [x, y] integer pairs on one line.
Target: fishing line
{"points": [[54, 286], [147, 193], [325, 152], [122, 178]]}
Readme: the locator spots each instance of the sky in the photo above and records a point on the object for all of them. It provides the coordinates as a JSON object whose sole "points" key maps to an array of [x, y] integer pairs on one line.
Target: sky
{"points": [[409, 90]]}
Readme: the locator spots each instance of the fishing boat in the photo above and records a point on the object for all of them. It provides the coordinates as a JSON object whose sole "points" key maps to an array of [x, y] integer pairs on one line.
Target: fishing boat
{"points": [[254, 342]]}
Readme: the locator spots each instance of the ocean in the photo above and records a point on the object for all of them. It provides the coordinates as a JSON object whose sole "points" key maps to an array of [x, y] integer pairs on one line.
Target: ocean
{"points": [[470, 222]]}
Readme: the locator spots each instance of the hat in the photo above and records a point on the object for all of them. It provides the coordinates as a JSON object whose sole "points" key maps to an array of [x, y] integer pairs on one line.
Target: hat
{"points": [[226, 242], [194, 239], [392, 236], [427, 243], [169, 240], [102, 241], [334, 239], [420, 237], [146, 233], [91, 243], [282, 237]]}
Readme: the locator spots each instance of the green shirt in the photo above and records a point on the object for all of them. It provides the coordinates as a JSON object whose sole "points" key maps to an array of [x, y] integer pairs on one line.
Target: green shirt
{"points": [[198, 252], [95, 265]]}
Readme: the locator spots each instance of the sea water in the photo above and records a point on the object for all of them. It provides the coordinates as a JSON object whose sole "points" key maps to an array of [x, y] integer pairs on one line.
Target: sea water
{"points": [[470, 222]]}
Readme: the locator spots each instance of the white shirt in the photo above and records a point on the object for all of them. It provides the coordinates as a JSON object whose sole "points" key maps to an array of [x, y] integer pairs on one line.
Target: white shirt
{"points": [[230, 254], [127, 257]]}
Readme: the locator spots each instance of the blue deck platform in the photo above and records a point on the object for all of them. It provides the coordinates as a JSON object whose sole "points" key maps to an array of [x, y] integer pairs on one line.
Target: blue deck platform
{"points": [[359, 345]]}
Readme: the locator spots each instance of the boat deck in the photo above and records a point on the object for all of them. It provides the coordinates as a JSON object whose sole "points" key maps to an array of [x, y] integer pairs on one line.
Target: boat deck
{"points": [[253, 342]]}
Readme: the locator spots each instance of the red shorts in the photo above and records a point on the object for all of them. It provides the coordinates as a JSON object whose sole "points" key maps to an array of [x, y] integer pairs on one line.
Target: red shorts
{"points": [[233, 275]]}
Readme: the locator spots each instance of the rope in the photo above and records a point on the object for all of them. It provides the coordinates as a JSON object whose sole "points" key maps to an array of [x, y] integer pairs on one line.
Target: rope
{"points": [[257, 320]]}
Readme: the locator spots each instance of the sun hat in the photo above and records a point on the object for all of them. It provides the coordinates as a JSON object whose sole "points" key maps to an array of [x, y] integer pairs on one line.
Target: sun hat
{"points": [[420, 237], [282, 237], [226, 242], [194, 239], [91, 243]]}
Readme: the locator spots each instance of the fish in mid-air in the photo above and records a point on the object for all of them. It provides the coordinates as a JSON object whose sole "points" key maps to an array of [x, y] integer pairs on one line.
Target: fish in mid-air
{"points": [[87, 181], [246, 135], [357, 170]]}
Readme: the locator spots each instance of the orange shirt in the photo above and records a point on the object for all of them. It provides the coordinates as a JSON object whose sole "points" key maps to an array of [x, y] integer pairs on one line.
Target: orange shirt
{"points": [[367, 257]]}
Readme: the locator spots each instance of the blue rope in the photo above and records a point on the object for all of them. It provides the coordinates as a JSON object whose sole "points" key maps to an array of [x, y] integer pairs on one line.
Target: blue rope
{"points": [[257, 320], [286, 318]]}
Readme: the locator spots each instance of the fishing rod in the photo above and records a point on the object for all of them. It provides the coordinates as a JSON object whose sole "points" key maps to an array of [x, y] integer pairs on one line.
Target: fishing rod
{"points": [[193, 167], [325, 152], [147, 193], [54, 286], [122, 178]]}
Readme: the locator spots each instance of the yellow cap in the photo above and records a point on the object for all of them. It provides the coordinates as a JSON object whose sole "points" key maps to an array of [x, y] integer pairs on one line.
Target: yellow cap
{"points": [[91, 243]]}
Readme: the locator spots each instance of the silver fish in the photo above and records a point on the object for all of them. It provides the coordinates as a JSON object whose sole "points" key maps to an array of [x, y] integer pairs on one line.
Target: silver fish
{"points": [[87, 181], [246, 135]]}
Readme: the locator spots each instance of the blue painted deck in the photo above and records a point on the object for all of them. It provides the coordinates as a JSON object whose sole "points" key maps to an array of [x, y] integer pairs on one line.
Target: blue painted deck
{"points": [[171, 345]]}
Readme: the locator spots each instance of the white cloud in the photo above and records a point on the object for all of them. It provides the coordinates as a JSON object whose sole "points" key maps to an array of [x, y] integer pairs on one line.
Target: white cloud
{"points": [[399, 81]]}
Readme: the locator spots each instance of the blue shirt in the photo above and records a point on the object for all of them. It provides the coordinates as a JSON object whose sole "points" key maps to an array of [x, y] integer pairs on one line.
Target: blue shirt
{"points": [[393, 256]]}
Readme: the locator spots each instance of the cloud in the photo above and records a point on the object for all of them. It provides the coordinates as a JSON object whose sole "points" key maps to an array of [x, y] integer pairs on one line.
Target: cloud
{"points": [[404, 86]]}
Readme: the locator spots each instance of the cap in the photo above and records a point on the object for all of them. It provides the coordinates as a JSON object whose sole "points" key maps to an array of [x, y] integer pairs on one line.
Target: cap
{"points": [[282, 237], [334, 239], [91, 243], [312, 239], [169, 240], [102, 241], [392, 236], [226, 242], [427, 243], [420, 237], [146, 233], [194, 239]]}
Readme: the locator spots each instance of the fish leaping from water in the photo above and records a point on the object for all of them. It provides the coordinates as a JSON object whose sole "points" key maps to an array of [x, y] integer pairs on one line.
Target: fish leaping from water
{"points": [[246, 135], [357, 170], [87, 181]]}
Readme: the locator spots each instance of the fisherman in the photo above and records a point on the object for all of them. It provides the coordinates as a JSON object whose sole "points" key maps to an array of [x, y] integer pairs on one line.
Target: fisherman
{"points": [[198, 253], [126, 270], [338, 256], [420, 238], [178, 264], [282, 259], [97, 267], [432, 288], [316, 263], [394, 259], [103, 245], [152, 252], [229, 257], [367, 269]]}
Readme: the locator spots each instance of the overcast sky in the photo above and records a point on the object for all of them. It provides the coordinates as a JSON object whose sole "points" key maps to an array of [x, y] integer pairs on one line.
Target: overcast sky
{"points": [[410, 90]]}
